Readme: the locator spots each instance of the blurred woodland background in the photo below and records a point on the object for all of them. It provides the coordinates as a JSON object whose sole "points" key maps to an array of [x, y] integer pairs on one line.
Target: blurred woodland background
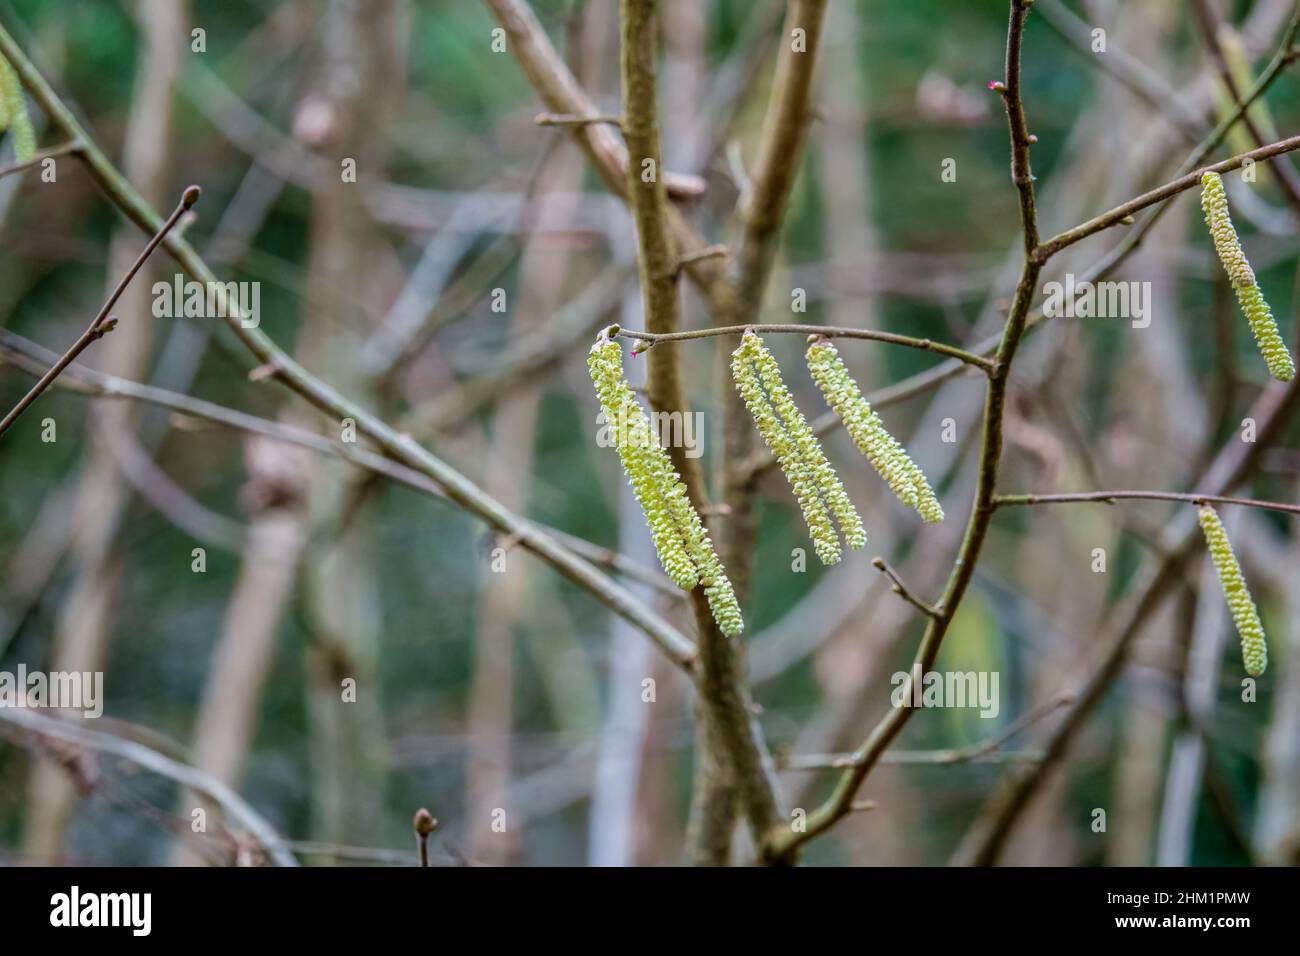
{"points": [[487, 682]]}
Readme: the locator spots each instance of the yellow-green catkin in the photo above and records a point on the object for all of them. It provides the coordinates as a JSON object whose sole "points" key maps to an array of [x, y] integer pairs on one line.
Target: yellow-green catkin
{"points": [[882, 450], [1214, 202], [679, 536], [809, 448], [13, 113], [1254, 649], [748, 362]]}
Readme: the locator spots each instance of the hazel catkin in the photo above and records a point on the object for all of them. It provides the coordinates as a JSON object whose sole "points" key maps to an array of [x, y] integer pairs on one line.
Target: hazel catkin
{"points": [[786, 432], [882, 450], [1214, 202], [13, 113], [1254, 648], [681, 541]]}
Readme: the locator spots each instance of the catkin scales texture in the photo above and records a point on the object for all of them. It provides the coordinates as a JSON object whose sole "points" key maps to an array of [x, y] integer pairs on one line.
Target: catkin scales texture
{"points": [[679, 536], [882, 450], [1254, 648], [817, 488], [13, 113], [1214, 202]]}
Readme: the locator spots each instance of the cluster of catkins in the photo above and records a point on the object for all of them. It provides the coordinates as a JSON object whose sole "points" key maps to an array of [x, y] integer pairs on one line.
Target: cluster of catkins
{"points": [[680, 539], [787, 433], [13, 113], [1254, 649], [1214, 202]]}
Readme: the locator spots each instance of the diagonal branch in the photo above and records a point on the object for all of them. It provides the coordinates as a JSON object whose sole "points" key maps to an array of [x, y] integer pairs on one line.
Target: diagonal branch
{"points": [[102, 323], [1170, 189], [21, 353], [784, 843], [401, 448]]}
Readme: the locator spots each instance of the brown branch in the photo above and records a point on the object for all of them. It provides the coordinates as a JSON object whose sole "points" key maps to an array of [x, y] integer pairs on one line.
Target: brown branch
{"points": [[909, 758], [985, 751], [1159, 194], [1110, 497], [102, 323], [37, 158], [723, 699], [902, 590], [573, 119], [825, 331], [784, 843]]}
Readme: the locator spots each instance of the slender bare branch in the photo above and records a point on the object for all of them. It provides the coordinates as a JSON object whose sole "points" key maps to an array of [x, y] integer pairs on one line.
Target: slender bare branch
{"points": [[1159, 194], [38, 158], [826, 331], [102, 323], [1110, 497], [572, 119], [902, 590]]}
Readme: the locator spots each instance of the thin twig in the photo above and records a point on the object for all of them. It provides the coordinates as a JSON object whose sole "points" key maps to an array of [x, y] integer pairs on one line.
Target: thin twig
{"points": [[910, 758], [708, 252], [826, 331], [575, 119], [902, 590], [1110, 497], [38, 158], [986, 751], [1170, 189], [102, 323]]}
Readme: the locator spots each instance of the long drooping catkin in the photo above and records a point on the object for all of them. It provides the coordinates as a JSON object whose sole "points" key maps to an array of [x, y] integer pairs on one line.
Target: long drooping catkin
{"points": [[1254, 648], [785, 430], [886, 455], [809, 448], [1214, 202], [679, 536], [13, 113]]}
